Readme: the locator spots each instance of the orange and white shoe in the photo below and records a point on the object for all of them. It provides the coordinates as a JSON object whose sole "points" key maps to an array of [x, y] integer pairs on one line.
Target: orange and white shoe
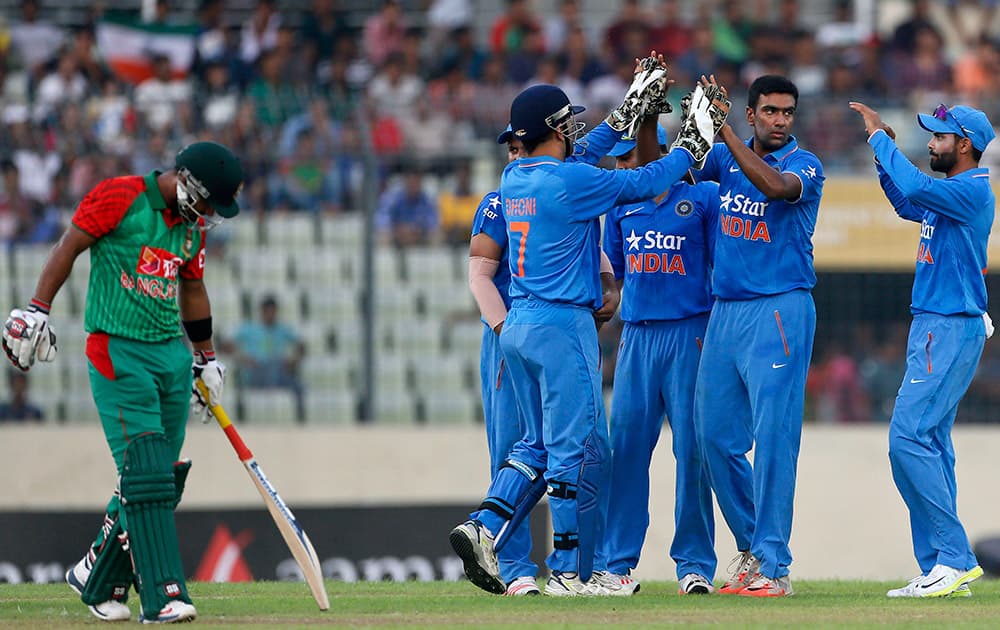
{"points": [[741, 571], [763, 586]]}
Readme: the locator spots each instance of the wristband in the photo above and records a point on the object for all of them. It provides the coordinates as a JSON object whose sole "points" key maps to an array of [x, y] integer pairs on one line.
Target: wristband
{"points": [[204, 357], [39, 305], [198, 329]]}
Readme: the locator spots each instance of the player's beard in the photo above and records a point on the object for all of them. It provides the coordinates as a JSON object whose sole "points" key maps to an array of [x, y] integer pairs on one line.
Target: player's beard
{"points": [[944, 162]]}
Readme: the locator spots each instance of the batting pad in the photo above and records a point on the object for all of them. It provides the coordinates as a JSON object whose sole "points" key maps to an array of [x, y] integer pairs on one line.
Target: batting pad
{"points": [[111, 576], [149, 493]]}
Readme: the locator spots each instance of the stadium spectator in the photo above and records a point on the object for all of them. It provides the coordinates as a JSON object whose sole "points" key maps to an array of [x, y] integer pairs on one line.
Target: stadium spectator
{"points": [[323, 28], [904, 37], [977, 72], [34, 40], [557, 26], [384, 32], [162, 98], [18, 408], [303, 180], [260, 31], [15, 208], [516, 30], [671, 34], [64, 84], [842, 31], [406, 215], [631, 17], [701, 58], [925, 68], [457, 207], [493, 94], [834, 384], [549, 71], [881, 371], [268, 354], [275, 98], [393, 92], [461, 49], [578, 63]]}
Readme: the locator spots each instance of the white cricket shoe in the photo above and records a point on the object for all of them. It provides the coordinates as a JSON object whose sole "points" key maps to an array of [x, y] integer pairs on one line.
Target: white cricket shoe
{"points": [[741, 570], [763, 586], [174, 612], [524, 585], [962, 591], [694, 584], [570, 585], [111, 610], [617, 584], [941, 581], [473, 543]]}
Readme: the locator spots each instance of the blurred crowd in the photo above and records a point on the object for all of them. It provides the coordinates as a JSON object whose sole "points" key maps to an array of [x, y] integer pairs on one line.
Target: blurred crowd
{"points": [[307, 98], [301, 94]]}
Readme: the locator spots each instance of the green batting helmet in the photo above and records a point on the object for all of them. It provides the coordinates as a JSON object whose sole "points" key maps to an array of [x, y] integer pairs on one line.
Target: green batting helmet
{"points": [[212, 173]]}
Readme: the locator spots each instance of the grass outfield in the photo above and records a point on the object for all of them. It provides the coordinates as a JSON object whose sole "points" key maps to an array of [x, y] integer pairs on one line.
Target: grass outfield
{"points": [[438, 604]]}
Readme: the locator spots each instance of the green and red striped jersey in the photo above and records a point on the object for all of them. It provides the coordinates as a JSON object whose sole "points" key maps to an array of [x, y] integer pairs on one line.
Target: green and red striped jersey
{"points": [[140, 252]]}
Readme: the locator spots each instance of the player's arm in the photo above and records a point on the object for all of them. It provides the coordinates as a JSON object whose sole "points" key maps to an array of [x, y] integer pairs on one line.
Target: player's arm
{"points": [[946, 196], [596, 144], [611, 293], [903, 206], [484, 259], [592, 191], [612, 244], [59, 264], [774, 184], [647, 146]]}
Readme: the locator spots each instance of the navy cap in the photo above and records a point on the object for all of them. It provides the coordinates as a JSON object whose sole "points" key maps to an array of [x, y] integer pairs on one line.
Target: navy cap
{"points": [[506, 135], [962, 121], [533, 110], [624, 146]]}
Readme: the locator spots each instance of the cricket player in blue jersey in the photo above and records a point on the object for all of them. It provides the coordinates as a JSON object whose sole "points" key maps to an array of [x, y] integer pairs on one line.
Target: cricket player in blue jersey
{"points": [[950, 326], [549, 341], [752, 375], [489, 281], [661, 252]]}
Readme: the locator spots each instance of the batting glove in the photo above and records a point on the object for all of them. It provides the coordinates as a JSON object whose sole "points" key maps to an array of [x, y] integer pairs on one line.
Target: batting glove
{"points": [[27, 336], [212, 373]]}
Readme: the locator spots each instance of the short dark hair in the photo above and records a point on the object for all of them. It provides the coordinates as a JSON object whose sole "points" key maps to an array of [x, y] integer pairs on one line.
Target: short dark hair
{"points": [[529, 145], [770, 84], [976, 154]]}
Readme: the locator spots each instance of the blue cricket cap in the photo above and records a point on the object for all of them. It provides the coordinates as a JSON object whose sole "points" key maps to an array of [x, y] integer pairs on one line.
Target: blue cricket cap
{"points": [[624, 146], [536, 110], [960, 120], [506, 135]]}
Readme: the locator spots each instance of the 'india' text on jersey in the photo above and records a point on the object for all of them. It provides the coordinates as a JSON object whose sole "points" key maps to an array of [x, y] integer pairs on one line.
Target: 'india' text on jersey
{"points": [[764, 245], [663, 253]]}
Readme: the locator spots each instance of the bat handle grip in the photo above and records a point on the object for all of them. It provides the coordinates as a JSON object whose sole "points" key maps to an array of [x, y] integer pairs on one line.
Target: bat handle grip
{"points": [[227, 426]]}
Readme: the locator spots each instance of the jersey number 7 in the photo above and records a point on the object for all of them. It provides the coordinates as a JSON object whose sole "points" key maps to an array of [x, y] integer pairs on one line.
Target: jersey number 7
{"points": [[522, 227]]}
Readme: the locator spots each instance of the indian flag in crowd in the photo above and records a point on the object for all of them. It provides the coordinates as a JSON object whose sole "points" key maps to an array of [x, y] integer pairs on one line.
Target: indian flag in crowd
{"points": [[129, 46]]}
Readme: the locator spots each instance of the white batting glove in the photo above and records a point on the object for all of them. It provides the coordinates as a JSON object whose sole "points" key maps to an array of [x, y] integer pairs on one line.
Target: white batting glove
{"points": [[27, 336], [212, 373], [989, 325]]}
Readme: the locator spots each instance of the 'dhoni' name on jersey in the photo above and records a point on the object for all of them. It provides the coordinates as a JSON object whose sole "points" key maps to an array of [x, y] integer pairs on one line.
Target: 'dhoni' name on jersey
{"points": [[765, 245], [490, 219], [675, 237]]}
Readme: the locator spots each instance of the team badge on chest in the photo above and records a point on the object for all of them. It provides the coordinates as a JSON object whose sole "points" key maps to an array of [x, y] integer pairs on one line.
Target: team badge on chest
{"points": [[684, 208]]}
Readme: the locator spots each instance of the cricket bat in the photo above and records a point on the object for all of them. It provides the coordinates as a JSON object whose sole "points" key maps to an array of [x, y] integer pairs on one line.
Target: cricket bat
{"points": [[295, 537]]}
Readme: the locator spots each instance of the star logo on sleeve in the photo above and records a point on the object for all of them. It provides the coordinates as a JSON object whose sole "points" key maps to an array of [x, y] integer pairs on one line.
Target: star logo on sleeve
{"points": [[633, 241], [809, 172], [495, 202]]}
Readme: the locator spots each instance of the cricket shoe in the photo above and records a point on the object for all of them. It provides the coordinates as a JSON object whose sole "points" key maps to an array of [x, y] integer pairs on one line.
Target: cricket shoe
{"points": [[942, 581], [174, 612], [474, 545], [524, 585], [694, 584], [763, 586], [961, 592], [570, 585], [111, 610], [619, 585], [741, 570]]}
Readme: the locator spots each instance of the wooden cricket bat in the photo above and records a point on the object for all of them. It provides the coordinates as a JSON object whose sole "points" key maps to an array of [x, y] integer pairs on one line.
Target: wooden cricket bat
{"points": [[295, 537]]}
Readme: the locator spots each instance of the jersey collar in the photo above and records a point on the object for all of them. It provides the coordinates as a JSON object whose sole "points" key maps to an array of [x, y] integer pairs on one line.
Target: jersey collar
{"points": [[529, 162], [156, 201], [777, 156]]}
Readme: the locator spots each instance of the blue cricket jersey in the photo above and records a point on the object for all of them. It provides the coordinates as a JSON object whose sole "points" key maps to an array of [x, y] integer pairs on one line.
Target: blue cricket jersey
{"points": [[489, 217], [765, 245], [955, 216], [553, 209], [663, 252]]}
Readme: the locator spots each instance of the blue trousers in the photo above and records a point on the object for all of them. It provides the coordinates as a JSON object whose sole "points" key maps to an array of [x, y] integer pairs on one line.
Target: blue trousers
{"points": [[553, 358], [941, 358], [503, 430], [655, 375], [750, 394]]}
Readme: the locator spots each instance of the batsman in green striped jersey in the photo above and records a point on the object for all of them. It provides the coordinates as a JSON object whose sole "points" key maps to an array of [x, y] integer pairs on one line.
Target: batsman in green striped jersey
{"points": [[146, 239]]}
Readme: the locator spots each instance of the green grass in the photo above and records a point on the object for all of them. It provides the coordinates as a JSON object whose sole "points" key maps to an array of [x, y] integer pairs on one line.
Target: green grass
{"points": [[825, 604]]}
